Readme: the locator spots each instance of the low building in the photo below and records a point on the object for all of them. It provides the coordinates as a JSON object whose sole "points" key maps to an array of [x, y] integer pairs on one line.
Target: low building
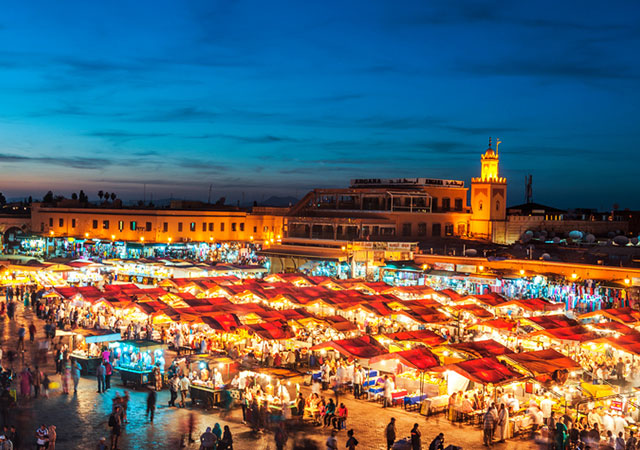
{"points": [[556, 222], [158, 225]]}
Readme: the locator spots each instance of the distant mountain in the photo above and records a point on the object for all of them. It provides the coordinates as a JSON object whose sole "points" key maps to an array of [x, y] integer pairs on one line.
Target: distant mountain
{"points": [[279, 201]]}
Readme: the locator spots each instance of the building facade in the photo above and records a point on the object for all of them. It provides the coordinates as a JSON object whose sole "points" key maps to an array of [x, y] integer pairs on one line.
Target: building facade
{"points": [[402, 209], [158, 225], [488, 197]]}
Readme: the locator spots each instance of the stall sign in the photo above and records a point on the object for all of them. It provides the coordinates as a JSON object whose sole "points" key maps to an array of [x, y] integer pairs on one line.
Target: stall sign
{"points": [[444, 266], [399, 246], [466, 268], [616, 405]]}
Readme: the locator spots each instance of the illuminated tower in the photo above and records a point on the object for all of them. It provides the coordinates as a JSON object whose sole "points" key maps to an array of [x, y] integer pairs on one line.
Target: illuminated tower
{"points": [[488, 196]]}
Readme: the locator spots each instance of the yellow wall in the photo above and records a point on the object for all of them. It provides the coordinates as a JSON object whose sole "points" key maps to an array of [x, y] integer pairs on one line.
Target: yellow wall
{"points": [[150, 224]]}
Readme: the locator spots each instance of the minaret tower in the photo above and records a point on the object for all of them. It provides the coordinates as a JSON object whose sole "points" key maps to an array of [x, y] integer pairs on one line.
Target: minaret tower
{"points": [[488, 196]]}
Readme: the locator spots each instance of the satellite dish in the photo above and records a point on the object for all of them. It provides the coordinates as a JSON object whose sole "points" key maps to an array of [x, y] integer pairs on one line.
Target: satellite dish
{"points": [[471, 252], [556, 240], [536, 235], [634, 240], [529, 233], [621, 240], [590, 238], [543, 233], [545, 257]]}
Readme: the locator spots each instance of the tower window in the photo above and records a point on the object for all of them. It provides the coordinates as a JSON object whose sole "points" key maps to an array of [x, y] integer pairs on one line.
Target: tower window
{"points": [[498, 205], [480, 205]]}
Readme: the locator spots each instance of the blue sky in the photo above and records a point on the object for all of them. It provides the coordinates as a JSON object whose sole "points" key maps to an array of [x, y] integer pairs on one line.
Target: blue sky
{"points": [[275, 98]]}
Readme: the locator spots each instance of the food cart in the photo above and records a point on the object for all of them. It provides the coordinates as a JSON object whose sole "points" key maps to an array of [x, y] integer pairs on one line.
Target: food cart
{"points": [[135, 360], [209, 376], [87, 350]]}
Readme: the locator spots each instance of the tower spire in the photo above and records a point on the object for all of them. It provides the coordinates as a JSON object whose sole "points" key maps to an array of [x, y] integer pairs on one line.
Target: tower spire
{"points": [[489, 141]]}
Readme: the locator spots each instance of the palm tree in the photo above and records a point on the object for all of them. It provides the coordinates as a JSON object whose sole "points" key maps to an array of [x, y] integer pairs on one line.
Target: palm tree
{"points": [[106, 196], [100, 194], [113, 196]]}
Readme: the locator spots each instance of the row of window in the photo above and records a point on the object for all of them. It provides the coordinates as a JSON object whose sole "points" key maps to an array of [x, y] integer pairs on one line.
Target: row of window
{"points": [[436, 229], [134, 225], [446, 204]]}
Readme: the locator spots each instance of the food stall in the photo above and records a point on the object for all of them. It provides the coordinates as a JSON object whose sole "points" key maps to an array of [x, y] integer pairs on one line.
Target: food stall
{"points": [[209, 375], [275, 388], [135, 360], [87, 350], [411, 385]]}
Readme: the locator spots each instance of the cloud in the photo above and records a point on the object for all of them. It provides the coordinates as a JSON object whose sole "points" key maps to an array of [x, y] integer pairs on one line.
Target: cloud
{"points": [[570, 69], [75, 162], [187, 113], [119, 136]]}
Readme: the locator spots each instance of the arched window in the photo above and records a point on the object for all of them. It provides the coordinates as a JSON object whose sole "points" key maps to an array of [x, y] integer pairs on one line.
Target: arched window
{"points": [[497, 205], [480, 205]]}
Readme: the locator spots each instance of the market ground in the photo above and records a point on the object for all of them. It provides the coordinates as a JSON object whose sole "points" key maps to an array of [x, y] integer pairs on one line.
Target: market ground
{"points": [[81, 419]]}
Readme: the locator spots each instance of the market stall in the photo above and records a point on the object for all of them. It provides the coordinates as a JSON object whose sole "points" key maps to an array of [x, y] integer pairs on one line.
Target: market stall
{"points": [[409, 366], [135, 360], [208, 376], [87, 350]]}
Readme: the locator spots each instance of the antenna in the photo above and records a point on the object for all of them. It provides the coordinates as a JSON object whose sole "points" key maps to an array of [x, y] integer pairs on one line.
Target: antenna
{"points": [[528, 188]]}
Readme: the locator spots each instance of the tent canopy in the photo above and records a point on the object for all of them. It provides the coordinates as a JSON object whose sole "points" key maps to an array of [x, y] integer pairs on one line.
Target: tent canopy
{"points": [[484, 371], [364, 347], [543, 362], [485, 348], [419, 358], [576, 333], [426, 337]]}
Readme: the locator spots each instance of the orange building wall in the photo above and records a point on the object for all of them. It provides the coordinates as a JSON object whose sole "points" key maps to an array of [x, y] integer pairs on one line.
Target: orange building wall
{"points": [[257, 226]]}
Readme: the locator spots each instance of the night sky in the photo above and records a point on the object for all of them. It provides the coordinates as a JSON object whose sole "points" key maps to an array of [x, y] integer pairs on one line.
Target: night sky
{"points": [[276, 98]]}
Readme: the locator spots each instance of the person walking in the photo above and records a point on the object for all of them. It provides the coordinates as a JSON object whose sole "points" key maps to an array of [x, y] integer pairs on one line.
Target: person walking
{"points": [[157, 377], [174, 387], [32, 332], [489, 421], [115, 422], [151, 404], [184, 390], [52, 437], [281, 437], [416, 436], [37, 381], [5, 443], [503, 422], [352, 442], [390, 433], [332, 442], [77, 371], [101, 374], [22, 331], [437, 443], [226, 443], [66, 375], [207, 440], [108, 371]]}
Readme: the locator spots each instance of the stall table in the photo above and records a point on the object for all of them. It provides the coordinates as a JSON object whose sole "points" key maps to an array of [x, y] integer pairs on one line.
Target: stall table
{"points": [[208, 396], [88, 364]]}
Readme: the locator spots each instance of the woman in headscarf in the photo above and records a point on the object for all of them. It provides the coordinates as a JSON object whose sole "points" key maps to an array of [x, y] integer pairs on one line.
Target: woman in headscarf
{"points": [[217, 431], [562, 435]]}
